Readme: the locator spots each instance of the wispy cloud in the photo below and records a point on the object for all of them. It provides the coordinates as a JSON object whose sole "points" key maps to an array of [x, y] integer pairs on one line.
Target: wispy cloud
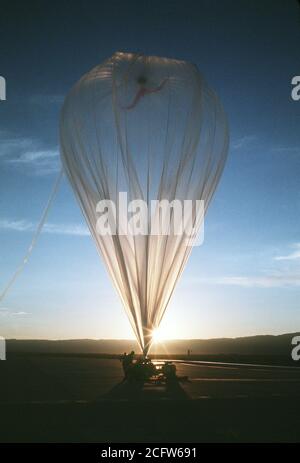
{"points": [[242, 141], [286, 149], [15, 225], [278, 275], [4, 312], [10, 145], [51, 228], [28, 154], [269, 281], [20, 313], [42, 161], [295, 255], [66, 229]]}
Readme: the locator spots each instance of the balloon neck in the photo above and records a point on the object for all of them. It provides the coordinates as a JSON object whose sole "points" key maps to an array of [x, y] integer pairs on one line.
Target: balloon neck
{"points": [[145, 353], [147, 345]]}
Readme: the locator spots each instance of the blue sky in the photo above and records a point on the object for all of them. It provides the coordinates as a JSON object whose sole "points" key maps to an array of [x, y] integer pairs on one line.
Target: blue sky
{"points": [[245, 279]]}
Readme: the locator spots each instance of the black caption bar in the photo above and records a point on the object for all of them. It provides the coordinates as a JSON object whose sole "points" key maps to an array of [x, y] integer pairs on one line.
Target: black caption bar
{"points": [[120, 452]]}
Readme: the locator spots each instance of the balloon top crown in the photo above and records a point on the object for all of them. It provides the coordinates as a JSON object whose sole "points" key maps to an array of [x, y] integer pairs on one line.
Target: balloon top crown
{"points": [[128, 56], [149, 75]]}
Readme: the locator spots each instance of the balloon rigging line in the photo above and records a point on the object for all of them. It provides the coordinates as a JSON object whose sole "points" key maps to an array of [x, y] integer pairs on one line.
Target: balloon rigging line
{"points": [[35, 237]]}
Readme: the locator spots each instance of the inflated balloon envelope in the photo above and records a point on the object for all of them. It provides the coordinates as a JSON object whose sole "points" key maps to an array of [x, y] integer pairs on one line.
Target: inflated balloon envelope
{"points": [[152, 128]]}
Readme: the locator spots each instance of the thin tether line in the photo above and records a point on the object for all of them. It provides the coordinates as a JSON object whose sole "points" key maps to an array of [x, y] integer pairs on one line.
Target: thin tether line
{"points": [[36, 235]]}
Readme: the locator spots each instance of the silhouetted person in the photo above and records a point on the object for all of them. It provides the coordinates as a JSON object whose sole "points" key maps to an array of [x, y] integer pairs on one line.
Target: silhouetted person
{"points": [[127, 362]]}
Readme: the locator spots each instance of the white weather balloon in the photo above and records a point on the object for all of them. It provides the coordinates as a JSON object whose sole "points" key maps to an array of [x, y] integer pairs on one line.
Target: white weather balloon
{"points": [[150, 127]]}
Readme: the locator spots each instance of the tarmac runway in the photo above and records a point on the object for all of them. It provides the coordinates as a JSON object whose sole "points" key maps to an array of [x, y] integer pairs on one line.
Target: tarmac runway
{"points": [[83, 399], [211, 380], [67, 379]]}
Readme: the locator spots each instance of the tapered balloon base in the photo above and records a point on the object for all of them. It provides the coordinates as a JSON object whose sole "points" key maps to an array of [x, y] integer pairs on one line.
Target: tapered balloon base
{"points": [[147, 346]]}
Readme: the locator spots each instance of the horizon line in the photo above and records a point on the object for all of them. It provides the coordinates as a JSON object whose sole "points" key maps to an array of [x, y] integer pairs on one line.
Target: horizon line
{"points": [[157, 342]]}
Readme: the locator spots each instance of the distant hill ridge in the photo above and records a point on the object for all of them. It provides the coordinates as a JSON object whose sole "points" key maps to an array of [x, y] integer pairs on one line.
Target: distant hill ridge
{"points": [[250, 345]]}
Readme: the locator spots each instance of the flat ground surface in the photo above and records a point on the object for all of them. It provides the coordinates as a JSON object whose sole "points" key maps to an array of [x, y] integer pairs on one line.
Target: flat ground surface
{"points": [[82, 399]]}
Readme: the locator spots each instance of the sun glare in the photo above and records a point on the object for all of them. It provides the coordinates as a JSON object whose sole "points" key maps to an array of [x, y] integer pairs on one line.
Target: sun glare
{"points": [[159, 335]]}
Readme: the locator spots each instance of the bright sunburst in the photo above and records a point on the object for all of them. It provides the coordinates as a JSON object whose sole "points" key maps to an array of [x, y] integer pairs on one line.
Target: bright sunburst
{"points": [[157, 335]]}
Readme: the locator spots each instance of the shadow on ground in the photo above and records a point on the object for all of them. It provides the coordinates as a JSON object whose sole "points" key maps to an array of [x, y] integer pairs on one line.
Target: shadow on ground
{"points": [[137, 390]]}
